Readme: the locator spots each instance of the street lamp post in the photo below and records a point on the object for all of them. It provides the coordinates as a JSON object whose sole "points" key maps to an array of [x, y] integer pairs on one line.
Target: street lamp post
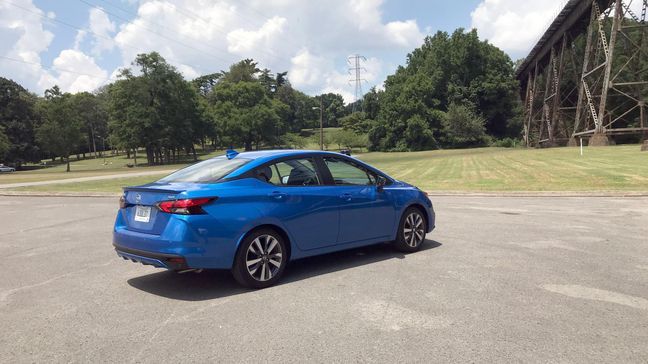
{"points": [[321, 109]]}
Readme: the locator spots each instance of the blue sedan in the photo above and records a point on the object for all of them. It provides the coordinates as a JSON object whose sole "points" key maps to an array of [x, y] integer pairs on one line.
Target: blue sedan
{"points": [[254, 212]]}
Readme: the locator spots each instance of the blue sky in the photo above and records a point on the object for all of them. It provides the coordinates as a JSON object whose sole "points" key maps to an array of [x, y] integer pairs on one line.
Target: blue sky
{"points": [[81, 44]]}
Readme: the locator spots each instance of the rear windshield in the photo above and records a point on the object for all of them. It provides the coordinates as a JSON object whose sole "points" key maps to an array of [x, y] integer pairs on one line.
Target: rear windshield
{"points": [[208, 171]]}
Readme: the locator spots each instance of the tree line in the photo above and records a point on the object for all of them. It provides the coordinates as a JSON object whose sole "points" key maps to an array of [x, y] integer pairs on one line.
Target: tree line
{"points": [[152, 109], [454, 91]]}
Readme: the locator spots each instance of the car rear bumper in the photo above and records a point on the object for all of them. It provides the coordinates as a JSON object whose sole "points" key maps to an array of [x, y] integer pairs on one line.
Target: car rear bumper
{"points": [[158, 260]]}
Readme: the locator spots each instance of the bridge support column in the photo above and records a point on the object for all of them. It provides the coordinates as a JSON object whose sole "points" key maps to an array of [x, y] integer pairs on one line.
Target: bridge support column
{"points": [[599, 140]]}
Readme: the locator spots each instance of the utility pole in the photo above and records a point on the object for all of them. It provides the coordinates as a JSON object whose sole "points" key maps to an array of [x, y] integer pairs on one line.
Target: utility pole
{"points": [[356, 69]]}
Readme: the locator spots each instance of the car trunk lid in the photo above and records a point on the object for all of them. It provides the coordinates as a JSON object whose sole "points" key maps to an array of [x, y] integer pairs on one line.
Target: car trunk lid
{"points": [[141, 213]]}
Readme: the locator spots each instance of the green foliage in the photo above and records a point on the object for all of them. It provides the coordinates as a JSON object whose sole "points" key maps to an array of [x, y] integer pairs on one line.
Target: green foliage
{"points": [[18, 118], [357, 122], [293, 140], [334, 109], [4, 144], [245, 114], [445, 70], [348, 139], [327, 139], [507, 143], [60, 132], [93, 113], [158, 110], [418, 135], [463, 128], [243, 71]]}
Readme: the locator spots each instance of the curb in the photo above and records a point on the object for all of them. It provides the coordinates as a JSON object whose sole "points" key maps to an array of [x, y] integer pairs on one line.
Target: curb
{"points": [[58, 194], [625, 194], [542, 194]]}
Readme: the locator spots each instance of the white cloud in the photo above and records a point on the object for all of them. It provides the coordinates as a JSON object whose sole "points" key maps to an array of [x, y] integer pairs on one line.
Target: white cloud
{"points": [[244, 41], [78, 39], [23, 39], [102, 28], [74, 71], [309, 39], [514, 25]]}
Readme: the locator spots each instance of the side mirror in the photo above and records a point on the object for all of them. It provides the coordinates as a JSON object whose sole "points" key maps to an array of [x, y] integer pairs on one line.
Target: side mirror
{"points": [[284, 180]]}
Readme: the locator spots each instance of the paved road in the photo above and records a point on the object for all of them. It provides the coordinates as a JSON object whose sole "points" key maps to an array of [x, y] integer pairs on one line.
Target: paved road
{"points": [[501, 280], [87, 179]]}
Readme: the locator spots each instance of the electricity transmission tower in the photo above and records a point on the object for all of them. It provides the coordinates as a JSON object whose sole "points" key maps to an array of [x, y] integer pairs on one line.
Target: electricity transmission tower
{"points": [[355, 68]]}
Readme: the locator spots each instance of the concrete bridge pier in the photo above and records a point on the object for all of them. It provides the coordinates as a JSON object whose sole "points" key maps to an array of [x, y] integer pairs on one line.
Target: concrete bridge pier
{"points": [[599, 140]]}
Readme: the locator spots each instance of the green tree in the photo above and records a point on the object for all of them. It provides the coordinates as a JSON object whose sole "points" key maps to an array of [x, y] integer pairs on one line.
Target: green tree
{"points": [[18, 118], [418, 135], [463, 127], [446, 69], [4, 144], [93, 113], [371, 103], [245, 114], [243, 71], [357, 122], [158, 110], [334, 109], [60, 133]]}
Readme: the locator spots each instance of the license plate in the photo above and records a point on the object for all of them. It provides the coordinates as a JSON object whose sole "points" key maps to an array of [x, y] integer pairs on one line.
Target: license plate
{"points": [[143, 213]]}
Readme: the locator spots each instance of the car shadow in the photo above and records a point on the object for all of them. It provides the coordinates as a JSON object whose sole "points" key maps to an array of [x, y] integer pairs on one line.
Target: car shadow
{"points": [[212, 284]]}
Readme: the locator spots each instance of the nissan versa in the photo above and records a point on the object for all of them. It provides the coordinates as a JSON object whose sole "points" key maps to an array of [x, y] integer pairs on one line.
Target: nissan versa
{"points": [[254, 212]]}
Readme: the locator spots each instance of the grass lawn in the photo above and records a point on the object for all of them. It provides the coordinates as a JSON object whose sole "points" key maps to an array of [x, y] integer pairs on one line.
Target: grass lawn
{"points": [[502, 169], [91, 167], [107, 185], [622, 168]]}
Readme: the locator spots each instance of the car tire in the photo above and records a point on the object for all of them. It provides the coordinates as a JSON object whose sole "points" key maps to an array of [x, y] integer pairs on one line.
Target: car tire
{"points": [[261, 259], [411, 231]]}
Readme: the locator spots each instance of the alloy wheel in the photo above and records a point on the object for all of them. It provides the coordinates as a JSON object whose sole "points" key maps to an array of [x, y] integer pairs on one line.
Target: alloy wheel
{"points": [[264, 258], [413, 229]]}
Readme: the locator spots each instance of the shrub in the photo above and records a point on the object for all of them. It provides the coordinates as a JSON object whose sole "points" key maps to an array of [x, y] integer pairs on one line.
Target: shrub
{"points": [[463, 127]]}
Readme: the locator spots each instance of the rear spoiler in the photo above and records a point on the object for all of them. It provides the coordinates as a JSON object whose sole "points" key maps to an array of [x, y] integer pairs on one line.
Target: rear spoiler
{"points": [[149, 189]]}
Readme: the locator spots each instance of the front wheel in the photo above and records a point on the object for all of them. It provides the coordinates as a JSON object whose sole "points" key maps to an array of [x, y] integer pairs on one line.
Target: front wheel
{"points": [[411, 231], [261, 259]]}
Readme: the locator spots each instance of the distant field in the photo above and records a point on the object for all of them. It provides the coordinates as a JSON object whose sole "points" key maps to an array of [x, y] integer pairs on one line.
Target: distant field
{"points": [[90, 167], [501, 169], [622, 168]]}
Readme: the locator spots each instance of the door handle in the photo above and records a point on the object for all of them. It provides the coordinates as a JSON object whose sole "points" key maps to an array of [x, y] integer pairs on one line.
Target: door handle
{"points": [[346, 196], [278, 195]]}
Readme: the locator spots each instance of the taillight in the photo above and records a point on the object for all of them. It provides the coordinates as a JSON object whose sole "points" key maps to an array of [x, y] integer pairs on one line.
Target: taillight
{"points": [[191, 206], [122, 202]]}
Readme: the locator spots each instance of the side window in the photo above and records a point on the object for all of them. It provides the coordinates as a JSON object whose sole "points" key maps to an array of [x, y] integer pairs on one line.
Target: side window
{"points": [[292, 172], [345, 173]]}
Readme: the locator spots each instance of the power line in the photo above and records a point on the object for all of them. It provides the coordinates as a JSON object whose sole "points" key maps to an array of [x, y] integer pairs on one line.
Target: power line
{"points": [[355, 67], [154, 32], [58, 69], [137, 49], [191, 15]]}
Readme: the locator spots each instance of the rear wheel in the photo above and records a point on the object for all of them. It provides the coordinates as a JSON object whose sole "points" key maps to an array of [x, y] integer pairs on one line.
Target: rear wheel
{"points": [[261, 259], [411, 231]]}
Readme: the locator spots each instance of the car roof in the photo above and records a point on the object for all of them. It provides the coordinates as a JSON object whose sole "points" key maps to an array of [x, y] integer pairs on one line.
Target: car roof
{"points": [[278, 153]]}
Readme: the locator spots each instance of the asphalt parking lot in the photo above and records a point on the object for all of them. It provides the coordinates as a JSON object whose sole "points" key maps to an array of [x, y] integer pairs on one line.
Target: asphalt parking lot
{"points": [[500, 280]]}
